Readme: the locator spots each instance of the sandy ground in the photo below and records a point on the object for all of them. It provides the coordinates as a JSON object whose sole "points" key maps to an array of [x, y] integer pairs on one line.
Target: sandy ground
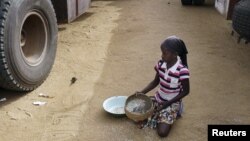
{"points": [[111, 50]]}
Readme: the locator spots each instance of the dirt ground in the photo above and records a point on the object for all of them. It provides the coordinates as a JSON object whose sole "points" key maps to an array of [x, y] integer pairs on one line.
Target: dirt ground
{"points": [[112, 50]]}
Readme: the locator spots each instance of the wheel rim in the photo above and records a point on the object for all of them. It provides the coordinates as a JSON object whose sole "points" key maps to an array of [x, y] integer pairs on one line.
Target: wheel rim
{"points": [[33, 38]]}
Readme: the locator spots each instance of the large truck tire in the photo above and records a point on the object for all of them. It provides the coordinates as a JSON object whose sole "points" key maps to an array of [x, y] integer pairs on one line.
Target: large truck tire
{"points": [[186, 2], [199, 2], [28, 40]]}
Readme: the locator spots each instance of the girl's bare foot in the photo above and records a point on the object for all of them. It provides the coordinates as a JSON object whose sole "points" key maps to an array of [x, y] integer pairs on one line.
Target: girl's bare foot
{"points": [[141, 124]]}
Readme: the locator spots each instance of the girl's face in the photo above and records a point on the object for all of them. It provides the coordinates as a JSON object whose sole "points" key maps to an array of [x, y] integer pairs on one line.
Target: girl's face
{"points": [[167, 55]]}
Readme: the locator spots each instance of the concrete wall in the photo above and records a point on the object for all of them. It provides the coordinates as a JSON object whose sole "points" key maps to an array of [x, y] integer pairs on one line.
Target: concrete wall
{"points": [[69, 10], [222, 6], [225, 7]]}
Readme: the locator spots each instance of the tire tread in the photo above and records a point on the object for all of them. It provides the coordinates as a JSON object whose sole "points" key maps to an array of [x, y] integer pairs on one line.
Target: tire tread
{"points": [[7, 80]]}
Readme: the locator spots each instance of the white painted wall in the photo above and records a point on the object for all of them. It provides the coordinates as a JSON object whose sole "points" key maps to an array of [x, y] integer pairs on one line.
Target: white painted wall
{"points": [[222, 6]]}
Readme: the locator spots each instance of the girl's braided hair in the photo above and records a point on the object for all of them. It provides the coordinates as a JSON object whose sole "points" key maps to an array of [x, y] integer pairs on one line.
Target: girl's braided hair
{"points": [[176, 45]]}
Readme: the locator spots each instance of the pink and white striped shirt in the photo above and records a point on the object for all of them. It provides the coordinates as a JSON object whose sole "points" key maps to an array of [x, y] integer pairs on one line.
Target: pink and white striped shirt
{"points": [[170, 79]]}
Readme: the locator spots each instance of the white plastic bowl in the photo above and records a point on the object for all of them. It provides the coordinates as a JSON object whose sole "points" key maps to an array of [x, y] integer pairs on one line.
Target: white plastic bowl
{"points": [[115, 105]]}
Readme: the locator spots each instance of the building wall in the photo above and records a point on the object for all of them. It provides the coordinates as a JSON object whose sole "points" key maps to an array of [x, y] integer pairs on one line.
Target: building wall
{"points": [[222, 6], [225, 7]]}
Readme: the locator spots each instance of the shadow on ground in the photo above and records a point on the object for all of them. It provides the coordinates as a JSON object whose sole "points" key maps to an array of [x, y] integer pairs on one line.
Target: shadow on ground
{"points": [[10, 96]]}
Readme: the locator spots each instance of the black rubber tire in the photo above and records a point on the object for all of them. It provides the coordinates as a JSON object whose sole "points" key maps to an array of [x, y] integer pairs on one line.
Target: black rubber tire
{"points": [[28, 41], [199, 2], [241, 18], [186, 2]]}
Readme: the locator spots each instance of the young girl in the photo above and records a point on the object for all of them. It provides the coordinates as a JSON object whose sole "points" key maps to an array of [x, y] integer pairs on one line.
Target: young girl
{"points": [[173, 76]]}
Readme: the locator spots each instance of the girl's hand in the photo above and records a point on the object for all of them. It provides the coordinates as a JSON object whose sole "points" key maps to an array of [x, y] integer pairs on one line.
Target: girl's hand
{"points": [[162, 106], [159, 108]]}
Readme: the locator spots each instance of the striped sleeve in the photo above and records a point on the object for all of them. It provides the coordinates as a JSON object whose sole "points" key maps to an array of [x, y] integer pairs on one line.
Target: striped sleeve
{"points": [[157, 67], [184, 73]]}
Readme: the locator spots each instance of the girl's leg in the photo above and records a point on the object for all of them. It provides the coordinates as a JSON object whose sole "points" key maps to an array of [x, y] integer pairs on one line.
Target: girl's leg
{"points": [[163, 129], [166, 119]]}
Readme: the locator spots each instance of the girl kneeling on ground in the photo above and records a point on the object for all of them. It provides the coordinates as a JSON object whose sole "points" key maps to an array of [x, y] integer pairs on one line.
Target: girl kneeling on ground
{"points": [[173, 76]]}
